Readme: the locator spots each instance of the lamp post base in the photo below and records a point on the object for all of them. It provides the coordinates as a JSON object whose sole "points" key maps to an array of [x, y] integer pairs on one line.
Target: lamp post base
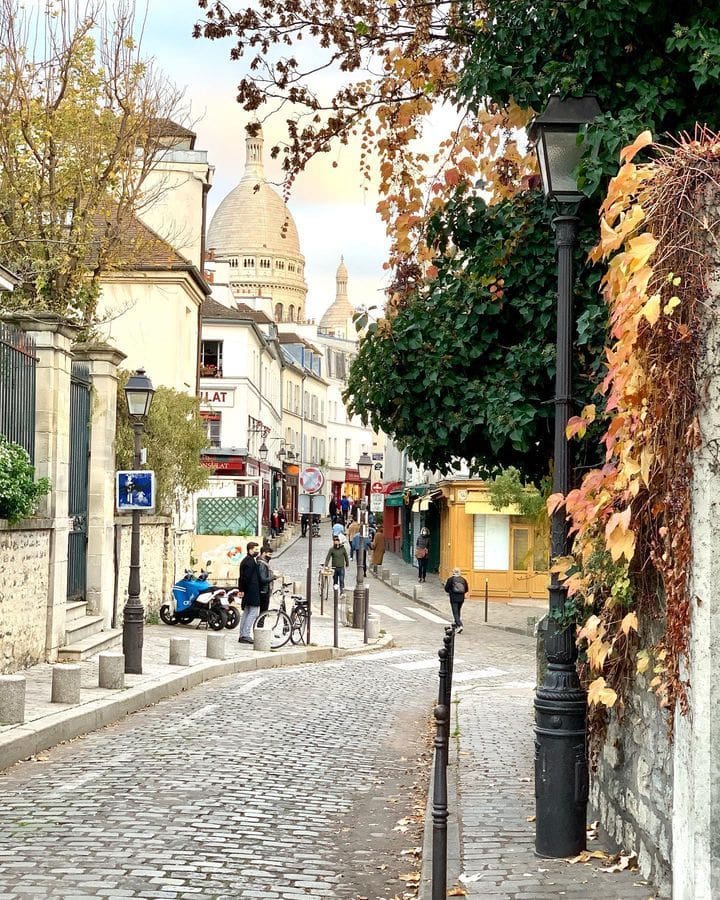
{"points": [[133, 625], [359, 607]]}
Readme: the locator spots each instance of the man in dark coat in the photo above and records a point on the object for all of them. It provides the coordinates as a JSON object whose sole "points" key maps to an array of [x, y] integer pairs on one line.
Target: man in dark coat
{"points": [[266, 577], [249, 584]]}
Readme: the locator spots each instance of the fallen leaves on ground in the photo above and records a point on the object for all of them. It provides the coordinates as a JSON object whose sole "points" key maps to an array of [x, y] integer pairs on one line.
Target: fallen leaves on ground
{"points": [[587, 855], [457, 891], [620, 862]]}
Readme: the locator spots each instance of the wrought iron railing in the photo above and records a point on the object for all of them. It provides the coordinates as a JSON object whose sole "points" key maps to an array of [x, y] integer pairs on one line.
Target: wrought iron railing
{"points": [[18, 364]]}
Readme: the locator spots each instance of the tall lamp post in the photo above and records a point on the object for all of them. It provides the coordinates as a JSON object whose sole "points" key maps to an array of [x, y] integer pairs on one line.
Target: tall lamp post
{"points": [[561, 773], [364, 467], [138, 395]]}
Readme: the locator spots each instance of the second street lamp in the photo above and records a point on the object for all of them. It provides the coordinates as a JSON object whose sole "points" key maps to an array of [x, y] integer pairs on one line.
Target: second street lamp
{"points": [[138, 395], [561, 772]]}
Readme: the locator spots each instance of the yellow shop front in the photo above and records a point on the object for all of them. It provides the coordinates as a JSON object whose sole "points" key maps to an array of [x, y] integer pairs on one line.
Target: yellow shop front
{"points": [[499, 547]]}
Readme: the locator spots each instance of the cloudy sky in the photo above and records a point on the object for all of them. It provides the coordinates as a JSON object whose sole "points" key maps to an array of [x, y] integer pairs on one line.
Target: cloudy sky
{"points": [[334, 212]]}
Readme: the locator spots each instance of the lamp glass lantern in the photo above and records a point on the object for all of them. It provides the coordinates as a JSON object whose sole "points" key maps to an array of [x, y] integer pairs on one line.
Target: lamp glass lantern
{"points": [[556, 133], [139, 393], [263, 451], [364, 467]]}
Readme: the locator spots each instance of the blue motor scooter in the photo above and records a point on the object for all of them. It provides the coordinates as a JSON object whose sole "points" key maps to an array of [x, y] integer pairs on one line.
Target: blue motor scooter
{"points": [[193, 598]]}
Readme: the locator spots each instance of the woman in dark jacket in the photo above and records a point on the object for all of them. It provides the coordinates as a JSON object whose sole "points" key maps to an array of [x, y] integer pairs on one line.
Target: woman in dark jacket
{"points": [[456, 587], [422, 550]]}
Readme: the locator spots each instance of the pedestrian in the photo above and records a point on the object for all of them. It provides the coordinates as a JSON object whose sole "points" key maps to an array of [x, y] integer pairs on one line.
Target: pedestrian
{"points": [[332, 508], [337, 557], [456, 587], [282, 517], [422, 549], [249, 584], [378, 547], [344, 506], [356, 546], [351, 509], [352, 530], [266, 577], [304, 522], [275, 524]]}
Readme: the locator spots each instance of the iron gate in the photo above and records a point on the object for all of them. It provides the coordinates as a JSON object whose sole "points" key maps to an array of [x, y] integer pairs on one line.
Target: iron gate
{"points": [[78, 483]]}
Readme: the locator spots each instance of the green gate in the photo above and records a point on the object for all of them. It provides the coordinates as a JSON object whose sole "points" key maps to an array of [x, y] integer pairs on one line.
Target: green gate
{"points": [[80, 382]]}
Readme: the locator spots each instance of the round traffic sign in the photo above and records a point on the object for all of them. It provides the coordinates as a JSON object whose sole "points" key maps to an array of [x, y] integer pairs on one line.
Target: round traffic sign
{"points": [[376, 487], [312, 480]]}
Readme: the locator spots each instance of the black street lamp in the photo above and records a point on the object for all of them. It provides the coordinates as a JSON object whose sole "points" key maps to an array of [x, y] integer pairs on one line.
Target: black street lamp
{"points": [[364, 467], [263, 452], [561, 772], [138, 395]]}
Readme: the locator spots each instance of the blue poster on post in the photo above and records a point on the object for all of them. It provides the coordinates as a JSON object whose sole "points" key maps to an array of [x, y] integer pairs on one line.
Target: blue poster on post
{"points": [[135, 490]]}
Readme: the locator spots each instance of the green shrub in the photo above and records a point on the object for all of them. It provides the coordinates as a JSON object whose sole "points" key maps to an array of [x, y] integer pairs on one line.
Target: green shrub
{"points": [[19, 492]]}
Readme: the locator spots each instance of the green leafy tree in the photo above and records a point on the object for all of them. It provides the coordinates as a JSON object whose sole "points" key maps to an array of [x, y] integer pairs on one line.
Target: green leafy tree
{"points": [[80, 111], [174, 436], [19, 492]]}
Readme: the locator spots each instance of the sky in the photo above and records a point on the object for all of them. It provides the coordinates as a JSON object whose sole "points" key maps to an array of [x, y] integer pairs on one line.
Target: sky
{"points": [[334, 211]]}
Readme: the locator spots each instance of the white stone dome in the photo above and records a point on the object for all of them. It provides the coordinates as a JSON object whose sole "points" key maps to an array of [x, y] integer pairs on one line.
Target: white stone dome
{"points": [[254, 230], [338, 317]]}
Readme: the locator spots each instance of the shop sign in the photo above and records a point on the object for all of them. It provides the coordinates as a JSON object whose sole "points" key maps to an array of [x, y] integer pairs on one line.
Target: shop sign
{"points": [[218, 398], [376, 502]]}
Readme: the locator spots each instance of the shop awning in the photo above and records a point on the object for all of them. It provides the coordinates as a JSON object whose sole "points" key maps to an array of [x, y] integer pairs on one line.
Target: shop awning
{"points": [[478, 504], [394, 499], [422, 504]]}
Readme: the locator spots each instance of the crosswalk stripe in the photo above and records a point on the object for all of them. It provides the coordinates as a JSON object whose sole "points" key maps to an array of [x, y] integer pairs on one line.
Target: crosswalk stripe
{"points": [[391, 613], [250, 685], [431, 617], [417, 664]]}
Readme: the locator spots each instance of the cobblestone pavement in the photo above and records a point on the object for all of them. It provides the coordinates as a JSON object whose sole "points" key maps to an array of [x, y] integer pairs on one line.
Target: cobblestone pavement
{"points": [[289, 783]]}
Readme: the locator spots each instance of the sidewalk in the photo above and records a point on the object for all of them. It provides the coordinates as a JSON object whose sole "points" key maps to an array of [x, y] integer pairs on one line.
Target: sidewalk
{"points": [[490, 775], [47, 724], [510, 615]]}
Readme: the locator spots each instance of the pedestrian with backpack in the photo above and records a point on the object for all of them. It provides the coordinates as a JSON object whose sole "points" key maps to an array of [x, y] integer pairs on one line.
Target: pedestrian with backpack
{"points": [[456, 587]]}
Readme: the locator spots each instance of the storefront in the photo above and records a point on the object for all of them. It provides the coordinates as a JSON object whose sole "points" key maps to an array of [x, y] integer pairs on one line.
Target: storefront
{"points": [[290, 500], [392, 517], [497, 547]]}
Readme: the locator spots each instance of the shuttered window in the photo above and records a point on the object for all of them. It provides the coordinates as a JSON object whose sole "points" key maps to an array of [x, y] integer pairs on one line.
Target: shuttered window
{"points": [[491, 543]]}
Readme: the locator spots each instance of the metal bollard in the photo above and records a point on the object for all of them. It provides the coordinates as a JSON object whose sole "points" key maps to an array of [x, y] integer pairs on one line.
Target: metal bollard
{"points": [[65, 683], [179, 651], [366, 613], [439, 808], [336, 615], [215, 648], [12, 699], [111, 671], [486, 598]]}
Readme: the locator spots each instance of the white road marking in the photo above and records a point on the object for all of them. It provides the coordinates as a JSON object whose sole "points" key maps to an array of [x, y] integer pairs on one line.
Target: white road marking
{"points": [[250, 685], [108, 763], [474, 674], [397, 653], [391, 613], [417, 664], [431, 617]]}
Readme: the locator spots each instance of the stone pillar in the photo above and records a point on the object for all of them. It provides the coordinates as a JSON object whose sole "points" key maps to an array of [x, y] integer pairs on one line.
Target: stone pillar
{"points": [[696, 800], [103, 361], [53, 338]]}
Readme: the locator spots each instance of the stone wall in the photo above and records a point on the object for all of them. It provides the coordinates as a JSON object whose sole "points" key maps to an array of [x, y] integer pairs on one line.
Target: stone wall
{"points": [[24, 573], [164, 554], [632, 788]]}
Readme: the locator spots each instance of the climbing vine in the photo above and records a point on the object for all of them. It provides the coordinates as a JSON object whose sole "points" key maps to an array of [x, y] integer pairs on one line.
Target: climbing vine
{"points": [[631, 517]]}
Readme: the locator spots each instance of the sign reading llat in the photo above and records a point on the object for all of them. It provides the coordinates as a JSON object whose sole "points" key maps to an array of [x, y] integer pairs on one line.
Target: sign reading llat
{"points": [[218, 398]]}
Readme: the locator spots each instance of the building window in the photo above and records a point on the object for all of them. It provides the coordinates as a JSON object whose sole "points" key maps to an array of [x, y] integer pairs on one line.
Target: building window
{"points": [[211, 360], [347, 451], [291, 267], [234, 263], [322, 453], [291, 313], [278, 312], [280, 264], [313, 450], [491, 543], [314, 408], [322, 412], [213, 422], [249, 262], [265, 263]]}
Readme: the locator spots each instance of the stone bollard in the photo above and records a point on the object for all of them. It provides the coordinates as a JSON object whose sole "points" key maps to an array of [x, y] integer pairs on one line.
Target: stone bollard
{"points": [[262, 638], [215, 646], [395, 580], [179, 651], [65, 683], [384, 573], [12, 699], [417, 591], [373, 628], [111, 674]]}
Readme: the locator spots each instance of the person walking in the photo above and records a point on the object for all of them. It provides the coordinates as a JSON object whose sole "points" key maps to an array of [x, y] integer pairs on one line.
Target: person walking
{"points": [[344, 507], [249, 584], [422, 549], [266, 578], [456, 586], [337, 557], [378, 547], [332, 508]]}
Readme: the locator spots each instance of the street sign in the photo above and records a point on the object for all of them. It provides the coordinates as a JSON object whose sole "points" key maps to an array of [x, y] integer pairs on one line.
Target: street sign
{"points": [[312, 479], [306, 501], [376, 487], [134, 490], [378, 467], [377, 502], [377, 456]]}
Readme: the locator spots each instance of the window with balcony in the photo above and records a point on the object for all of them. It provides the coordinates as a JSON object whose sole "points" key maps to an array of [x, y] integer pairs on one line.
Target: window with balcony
{"points": [[211, 359]]}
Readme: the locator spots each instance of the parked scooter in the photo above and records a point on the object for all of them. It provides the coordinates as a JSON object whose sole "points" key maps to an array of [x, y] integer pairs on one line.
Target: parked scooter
{"points": [[234, 611], [193, 598]]}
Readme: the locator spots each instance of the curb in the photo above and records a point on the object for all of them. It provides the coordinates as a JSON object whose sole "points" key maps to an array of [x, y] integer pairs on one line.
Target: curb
{"points": [[66, 724]]}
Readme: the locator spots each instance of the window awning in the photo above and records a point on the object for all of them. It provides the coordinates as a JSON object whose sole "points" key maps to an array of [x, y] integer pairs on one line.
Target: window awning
{"points": [[478, 504], [422, 504], [394, 499]]}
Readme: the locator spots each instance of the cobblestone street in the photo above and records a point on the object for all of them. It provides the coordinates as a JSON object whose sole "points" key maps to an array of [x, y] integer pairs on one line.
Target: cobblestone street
{"points": [[292, 783]]}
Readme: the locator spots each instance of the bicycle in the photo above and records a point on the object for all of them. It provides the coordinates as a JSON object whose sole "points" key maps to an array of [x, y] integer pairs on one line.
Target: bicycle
{"points": [[285, 627], [324, 581]]}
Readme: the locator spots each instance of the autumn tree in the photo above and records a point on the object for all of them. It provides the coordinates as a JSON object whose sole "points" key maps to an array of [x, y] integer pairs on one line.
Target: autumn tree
{"points": [[80, 117], [469, 324]]}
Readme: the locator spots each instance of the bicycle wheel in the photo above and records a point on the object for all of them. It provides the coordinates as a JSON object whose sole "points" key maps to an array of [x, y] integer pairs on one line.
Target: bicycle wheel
{"points": [[298, 625], [279, 624], [325, 588]]}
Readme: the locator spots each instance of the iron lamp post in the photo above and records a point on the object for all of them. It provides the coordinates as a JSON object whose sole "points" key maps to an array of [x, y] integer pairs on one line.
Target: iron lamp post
{"points": [[364, 467], [561, 772], [138, 395]]}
